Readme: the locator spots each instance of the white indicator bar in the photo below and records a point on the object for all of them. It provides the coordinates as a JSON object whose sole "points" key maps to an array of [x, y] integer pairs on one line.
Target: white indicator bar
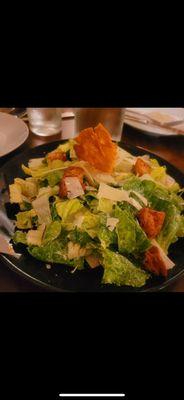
{"points": [[92, 394]]}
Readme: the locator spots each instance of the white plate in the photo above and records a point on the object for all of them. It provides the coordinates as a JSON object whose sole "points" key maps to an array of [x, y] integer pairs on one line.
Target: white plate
{"points": [[13, 133], [175, 113]]}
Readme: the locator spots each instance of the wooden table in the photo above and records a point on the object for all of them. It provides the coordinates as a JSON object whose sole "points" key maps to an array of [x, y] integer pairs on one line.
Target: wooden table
{"points": [[171, 149]]}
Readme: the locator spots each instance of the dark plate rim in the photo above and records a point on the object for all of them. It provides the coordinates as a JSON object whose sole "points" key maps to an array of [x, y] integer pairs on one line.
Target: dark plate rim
{"points": [[39, 283]]}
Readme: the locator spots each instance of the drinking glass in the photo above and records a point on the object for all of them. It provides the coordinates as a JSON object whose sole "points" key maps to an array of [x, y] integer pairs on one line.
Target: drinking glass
{"points": [[44, 121], [111, 118]]}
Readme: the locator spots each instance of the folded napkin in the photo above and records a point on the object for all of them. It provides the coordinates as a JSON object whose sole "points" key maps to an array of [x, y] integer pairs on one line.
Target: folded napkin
{"points": [[162, 117]]}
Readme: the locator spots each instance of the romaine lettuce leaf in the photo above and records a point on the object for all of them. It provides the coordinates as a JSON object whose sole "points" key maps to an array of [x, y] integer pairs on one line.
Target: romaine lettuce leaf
{"points": [[25, 219], [124, 161], [66, 146], [105, 205], [48, 191], [78, 236], [19, 237], [91, 223], [104, 234], [54, 178], [128, 207], [133, 183], [53, 252], [54, 214], [29, 187], [66, 209], [131, 237], [158, 196], [180, 231], [52, 231], [43, 171], [89, 199], [172, 228], [25, 206], [107, 237], [120, 271]]}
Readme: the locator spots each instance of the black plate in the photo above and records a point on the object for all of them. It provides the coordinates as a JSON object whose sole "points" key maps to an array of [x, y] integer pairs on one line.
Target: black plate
{"points": [[59, 277]]}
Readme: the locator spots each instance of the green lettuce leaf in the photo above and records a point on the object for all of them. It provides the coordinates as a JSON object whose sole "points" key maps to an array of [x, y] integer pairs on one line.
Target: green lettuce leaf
{"points": [[118, 270], [104, 234], [29, 187], [25, 219], [90, 224], [54, 178], [90, 200], [107, 237], [158, 196], [66, 209], [19, 237], [180, 231], [133, 183], [53, 252], [52, 231], [124, 205], [54, 214], [105, 205], [131, 237], [172, 229], [78, 236]]}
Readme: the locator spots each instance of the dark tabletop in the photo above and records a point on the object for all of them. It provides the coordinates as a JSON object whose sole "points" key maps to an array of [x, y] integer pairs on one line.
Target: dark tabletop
{"points": [[169, 148]]}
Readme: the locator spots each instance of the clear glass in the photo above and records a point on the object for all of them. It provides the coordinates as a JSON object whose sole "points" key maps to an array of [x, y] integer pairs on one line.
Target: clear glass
{"points": [[111, 118], [44, 121]]}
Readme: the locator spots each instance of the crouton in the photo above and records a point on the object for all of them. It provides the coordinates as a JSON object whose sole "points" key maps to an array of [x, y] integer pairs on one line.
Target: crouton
{"points": [[76, 172], [141, 167], [56, 155], [154, 262], [151, 221]]}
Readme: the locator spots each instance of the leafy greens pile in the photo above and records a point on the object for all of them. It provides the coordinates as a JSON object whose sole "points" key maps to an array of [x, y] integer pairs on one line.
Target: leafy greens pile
{"points": [[100, 226]]}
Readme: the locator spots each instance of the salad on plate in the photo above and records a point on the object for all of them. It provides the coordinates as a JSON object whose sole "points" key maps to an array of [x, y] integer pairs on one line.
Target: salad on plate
{"points": [[90, 203]]}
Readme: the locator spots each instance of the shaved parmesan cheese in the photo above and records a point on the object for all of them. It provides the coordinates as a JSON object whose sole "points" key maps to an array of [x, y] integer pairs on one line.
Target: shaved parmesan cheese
{"points": [[169, 181], [124, 161], [78, 220], [73, 187], [142, 198], [102, 176], [111, 223], [34, 237], [134, 203], [75, 251], [168, 262], [35, 162], [91, 188], [108, 192], [146, 158], [42, 208]]}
